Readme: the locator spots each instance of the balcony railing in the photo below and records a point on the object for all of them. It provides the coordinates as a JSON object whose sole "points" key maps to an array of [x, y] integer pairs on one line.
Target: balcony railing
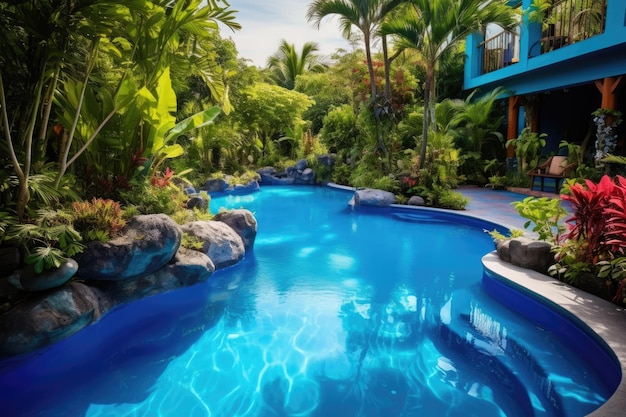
{"points": [[570, 21], [500, 51]]}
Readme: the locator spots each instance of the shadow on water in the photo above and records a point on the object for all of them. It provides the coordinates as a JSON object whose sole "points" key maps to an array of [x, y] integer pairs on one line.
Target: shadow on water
{"points": [[117, 360]]}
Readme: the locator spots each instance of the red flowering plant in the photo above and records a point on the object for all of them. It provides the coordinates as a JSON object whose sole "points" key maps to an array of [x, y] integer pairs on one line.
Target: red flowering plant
{"points": [[596, 240], [163, 180]]}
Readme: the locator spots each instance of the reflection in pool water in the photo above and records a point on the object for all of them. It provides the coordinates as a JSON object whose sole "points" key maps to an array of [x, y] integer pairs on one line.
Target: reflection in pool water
{"points": [[336, 312]]}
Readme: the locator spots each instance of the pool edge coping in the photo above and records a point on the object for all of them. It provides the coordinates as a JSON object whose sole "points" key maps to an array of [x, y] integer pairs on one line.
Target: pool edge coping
{"points": [[606, 319]]}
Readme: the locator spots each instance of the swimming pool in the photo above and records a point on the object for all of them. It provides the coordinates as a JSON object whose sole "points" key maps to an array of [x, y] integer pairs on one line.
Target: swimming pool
{"points": [[337, 312]]}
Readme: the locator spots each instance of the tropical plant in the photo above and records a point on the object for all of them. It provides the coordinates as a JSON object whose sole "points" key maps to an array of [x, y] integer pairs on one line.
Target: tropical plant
{"points": [[149, 199], [478, 121], [98, 219], [598, 217], [50, 52], [49, 242], [497, 235], [437, 179], [545, 215], [340, 131], [367, 16], [364, 15], [528, 146], [435, 26], [596, 239], [269, 110], [286, 64], [42, 44]]}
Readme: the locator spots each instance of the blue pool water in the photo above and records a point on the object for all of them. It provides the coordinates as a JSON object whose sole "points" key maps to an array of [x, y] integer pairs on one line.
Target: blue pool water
{"points": [[337, 312]]}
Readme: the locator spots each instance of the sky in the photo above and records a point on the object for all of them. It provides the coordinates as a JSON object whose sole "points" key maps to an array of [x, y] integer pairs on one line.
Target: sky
{"points": [[266, 23]]}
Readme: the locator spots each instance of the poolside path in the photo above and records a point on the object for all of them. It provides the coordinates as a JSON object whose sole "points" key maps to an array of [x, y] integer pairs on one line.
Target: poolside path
{"points": [[495, 205]]}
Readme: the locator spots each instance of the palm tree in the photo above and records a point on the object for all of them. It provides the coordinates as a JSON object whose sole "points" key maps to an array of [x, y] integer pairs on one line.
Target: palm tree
{"points": [[435, 26], [365, 15], [287, 64]]}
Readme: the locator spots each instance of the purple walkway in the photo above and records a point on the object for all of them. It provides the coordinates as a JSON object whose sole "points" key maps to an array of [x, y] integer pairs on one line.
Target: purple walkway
{"points": [[495, 205]]}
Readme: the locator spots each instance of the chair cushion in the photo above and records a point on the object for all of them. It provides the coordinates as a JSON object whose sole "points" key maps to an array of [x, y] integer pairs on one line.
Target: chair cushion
{"points": [[557, 165]]}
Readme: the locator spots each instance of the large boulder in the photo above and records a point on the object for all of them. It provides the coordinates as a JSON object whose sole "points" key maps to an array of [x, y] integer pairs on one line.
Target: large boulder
{"points": [[372, 197], [149, 242], [188, 267], [220, 242], [197, 201], [307, 176], [242, 222], [215, 185], [29, 280], [45, 318], [301, 165], [528, 253], [416, 200]]}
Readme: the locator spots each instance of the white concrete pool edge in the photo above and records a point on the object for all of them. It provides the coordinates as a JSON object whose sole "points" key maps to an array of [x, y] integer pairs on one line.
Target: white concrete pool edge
{"points": [[604, 318]]}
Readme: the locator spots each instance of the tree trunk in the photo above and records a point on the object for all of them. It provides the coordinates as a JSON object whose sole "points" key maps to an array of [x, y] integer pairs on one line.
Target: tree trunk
{"points": [[387, 64], [380, 142], [427, 90], [370, 69], [42, 140]]}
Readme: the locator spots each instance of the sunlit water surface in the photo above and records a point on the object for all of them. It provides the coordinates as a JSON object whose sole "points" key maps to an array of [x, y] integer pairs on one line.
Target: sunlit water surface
{"points": [[336, 312]]}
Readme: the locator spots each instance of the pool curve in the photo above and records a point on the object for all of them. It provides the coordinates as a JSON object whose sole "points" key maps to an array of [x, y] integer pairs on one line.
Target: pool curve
{"points": [[602, 318]]}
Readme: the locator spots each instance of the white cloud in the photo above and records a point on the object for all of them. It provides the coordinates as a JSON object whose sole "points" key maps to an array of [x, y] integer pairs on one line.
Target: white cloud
{"points": [[266, 23]]}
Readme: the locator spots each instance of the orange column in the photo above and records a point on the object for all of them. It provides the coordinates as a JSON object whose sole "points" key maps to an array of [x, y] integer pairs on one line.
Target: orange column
{"points": [[512, 126], [608, 88]]}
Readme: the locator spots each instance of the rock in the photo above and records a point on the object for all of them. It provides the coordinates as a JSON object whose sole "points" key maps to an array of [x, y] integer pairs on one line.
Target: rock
{"points": [[221, 243], [250, 187], [45, 318], [215, 185], [188, 267], [198, 202], [301, 164], [372, 197], [149, 242], [242, 222], [531, 254], [189, 190], [503, 249], [416, 200], [307, 176], [10, 259], [29, 280], [266, 171], [292, 172]]}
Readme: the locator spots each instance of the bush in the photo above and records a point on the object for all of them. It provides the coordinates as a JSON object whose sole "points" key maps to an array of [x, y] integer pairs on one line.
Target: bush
{"points": [[150, 199], [98, 219]]}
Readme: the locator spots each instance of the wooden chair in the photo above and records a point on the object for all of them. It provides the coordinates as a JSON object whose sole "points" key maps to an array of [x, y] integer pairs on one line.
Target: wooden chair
{"points": [[556, 167]]}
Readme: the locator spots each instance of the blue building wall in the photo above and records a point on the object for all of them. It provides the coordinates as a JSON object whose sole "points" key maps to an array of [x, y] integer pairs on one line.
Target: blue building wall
{"points": [[600, 56], [561, 81]]}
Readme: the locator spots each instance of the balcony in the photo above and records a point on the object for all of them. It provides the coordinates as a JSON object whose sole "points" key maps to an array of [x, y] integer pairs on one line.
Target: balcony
{"points": [[566, 22], [557, 44], [500, 51]]}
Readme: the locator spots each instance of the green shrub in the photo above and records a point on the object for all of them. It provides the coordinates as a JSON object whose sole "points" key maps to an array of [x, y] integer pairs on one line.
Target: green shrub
{"points": [[151, 199], [48, 242], [545, 214], [98, 219]]}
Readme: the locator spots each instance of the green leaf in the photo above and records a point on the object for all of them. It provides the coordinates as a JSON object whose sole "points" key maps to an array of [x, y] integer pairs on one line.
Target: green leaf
{"points": [[198, 120]]}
